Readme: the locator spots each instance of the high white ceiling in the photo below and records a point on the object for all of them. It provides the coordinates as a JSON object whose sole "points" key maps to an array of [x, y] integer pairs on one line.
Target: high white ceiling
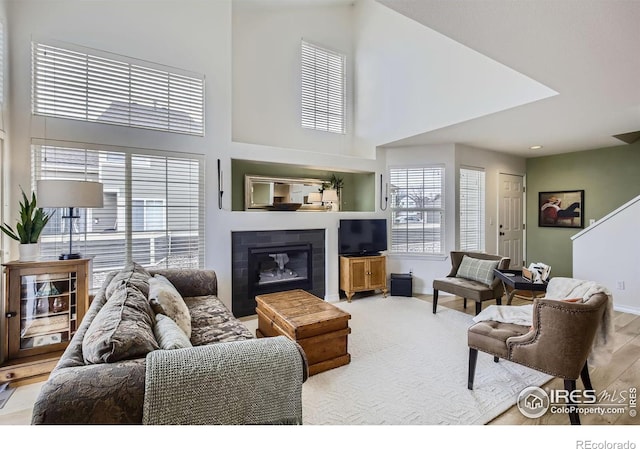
{"points": [[586, 50]]}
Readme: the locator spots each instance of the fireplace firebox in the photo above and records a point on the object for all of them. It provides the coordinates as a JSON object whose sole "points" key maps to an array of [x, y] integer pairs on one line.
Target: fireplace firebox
{"points": [[274, 261]]}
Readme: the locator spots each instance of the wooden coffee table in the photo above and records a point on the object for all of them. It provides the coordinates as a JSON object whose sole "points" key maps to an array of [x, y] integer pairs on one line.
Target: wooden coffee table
{"points": [[320, 328]]}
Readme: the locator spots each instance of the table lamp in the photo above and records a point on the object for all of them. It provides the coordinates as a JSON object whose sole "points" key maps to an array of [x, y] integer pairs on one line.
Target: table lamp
{"points": [[330, 196], [54, 193], [314, 197]]}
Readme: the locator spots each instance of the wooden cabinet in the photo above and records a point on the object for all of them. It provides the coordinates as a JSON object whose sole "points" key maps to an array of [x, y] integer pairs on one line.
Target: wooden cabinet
{"points": [[45, 302], [363, 273]]}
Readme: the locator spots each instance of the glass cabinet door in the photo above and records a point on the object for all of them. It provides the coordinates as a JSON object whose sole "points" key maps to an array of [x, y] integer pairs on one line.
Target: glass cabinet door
{"points": [[48, 309]]}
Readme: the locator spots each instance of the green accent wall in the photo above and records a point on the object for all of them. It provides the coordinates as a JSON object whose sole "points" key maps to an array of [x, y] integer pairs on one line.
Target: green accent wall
{"points": [[609, 176], [358, 192]]}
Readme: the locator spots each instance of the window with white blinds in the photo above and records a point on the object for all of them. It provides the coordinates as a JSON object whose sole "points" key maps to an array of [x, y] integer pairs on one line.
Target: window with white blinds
{"points": [[2, 40], [417, 210], [323, 89], [472, 209], [89, 85], [153, 210]]}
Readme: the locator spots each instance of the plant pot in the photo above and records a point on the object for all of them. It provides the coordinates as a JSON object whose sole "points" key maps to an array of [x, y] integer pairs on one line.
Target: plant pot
{"points": [[29, 251]]}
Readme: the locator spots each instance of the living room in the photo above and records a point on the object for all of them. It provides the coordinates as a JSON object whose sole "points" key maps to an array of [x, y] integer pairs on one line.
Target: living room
{"points": [[247, 51]]}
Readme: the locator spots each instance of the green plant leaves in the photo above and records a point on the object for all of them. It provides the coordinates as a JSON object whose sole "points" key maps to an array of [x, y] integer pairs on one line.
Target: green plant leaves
{"points": [[32, 221]]}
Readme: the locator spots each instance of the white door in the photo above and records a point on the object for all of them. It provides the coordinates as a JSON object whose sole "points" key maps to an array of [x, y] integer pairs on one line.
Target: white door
{"points": [[511, 219]]}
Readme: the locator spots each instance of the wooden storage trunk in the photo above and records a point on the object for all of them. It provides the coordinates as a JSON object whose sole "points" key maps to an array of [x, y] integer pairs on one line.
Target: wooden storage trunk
{"points": [[320, 328]]}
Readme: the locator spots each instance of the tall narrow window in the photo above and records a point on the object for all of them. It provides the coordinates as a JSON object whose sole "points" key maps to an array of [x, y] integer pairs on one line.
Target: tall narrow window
{"points": [[472, 213], [2, 39], [153, 206], [86, 84], [323, 89], [417, 210]]}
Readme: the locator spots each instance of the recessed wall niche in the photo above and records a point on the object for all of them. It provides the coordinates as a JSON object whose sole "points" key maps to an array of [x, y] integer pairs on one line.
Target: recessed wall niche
{"points": [[358, 192]]}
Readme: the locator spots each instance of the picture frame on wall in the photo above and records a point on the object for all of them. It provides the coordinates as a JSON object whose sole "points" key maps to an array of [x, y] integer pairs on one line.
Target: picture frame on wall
{"points": [[561, 209]]}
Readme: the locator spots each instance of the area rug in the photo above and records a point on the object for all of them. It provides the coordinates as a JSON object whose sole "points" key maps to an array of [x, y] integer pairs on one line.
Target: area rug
{"points": [[409, 367]]}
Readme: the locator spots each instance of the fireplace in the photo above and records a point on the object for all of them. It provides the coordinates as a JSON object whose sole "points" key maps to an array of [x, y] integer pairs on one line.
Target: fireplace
{"points": [[279, 268], [274, 261]]}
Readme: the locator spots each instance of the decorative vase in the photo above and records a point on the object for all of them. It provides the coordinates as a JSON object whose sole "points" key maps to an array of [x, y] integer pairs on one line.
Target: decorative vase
{"points": [[29, 251]]}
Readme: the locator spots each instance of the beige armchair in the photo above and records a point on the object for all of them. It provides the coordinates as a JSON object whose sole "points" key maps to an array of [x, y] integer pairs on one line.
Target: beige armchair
{"points": [[558, 343], [469, 288]]}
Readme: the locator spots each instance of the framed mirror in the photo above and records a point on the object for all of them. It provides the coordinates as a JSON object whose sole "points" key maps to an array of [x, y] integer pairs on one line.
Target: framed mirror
{"points": [[277, 193]]}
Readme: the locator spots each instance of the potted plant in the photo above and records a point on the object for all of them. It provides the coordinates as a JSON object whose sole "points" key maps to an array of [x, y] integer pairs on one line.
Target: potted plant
{"points": [[32, 221]]}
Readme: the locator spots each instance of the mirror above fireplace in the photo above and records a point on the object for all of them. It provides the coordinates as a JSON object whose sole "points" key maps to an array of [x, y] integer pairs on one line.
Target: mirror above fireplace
{"points": [[280, 193]]}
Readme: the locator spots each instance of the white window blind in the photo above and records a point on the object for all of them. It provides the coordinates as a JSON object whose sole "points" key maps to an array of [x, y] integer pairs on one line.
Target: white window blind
{"points": [[2, 68], [417, 210], [153, 207], [89, 85], [323, 89], [472, 209]]}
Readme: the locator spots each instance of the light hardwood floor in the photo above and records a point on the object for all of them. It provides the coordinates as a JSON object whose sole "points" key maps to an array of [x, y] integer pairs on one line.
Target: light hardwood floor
{"points": [[622, 373]]}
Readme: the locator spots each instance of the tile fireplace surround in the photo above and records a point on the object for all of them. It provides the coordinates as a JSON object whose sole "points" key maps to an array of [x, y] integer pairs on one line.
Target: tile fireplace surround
{"points": [[242, 302]]}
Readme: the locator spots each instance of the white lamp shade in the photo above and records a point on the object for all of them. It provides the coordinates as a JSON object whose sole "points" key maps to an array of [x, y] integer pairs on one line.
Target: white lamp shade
{"points": [[67, 193], [329, 195], [314, 197]]}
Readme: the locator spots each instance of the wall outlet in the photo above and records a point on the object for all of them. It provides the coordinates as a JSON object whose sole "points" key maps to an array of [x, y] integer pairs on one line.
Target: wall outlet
{"points": [[620, 285]]}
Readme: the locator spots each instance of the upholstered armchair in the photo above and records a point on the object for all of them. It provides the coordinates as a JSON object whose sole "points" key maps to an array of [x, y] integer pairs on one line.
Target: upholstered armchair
{"points": [[558, 342], [471, 285]]}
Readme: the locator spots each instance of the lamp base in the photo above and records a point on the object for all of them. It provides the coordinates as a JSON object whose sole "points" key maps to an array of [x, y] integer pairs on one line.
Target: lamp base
{"points": [[69, 256]]}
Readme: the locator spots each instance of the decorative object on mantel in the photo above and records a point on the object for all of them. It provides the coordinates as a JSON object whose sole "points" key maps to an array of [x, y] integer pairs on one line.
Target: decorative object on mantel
{"points": [[330, 197], [33, 219], [70, 194], [285, 206]]}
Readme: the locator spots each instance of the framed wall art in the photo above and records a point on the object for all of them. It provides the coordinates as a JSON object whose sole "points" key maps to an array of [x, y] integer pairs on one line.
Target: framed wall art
{"points": [[561, 209]]}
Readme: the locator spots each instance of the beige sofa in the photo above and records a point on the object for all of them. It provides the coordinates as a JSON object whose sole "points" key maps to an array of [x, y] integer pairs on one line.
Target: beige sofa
{"points": [[227, 377], [468, 285]]}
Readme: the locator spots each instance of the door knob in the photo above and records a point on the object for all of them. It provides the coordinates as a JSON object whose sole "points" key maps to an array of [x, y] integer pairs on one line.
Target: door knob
{"points": [[501, 233]]}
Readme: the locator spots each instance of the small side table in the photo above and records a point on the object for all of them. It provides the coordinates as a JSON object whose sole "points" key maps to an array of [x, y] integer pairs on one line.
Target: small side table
{"points": [[513, 282]]}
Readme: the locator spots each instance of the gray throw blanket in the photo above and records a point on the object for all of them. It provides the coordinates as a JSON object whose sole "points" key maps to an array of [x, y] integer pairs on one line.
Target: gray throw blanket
{"points": [[255, 381]]}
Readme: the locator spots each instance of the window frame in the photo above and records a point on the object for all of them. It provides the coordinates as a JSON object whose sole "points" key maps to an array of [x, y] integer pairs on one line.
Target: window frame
{"points": [[119, 181], [73, 82], [480, 194], [423, 212], [318, 109]]}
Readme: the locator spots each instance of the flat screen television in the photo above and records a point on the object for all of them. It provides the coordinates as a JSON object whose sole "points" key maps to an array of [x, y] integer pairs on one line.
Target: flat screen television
{"points": [[362, 236]]}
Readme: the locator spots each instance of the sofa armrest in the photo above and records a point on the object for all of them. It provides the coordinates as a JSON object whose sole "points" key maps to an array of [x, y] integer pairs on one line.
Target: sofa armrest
{"points": [[92, 394], [191, 281], [242, 382]]}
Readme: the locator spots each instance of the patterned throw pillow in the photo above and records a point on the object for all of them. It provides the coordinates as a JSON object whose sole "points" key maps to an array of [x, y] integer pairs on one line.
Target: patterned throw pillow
{"points": [[168, 334], [123, 328], [477, 269], [165, 299]]}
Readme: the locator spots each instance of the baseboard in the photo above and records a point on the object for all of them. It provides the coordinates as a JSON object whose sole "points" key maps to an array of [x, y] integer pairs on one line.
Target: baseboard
{"points": [[627, 309]]}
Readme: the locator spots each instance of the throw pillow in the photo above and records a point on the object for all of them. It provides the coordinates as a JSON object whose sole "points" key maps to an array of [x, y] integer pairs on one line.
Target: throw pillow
{"points": [[132, 274], [477, 269], [168, 334], [164, 296], [122, 329]]}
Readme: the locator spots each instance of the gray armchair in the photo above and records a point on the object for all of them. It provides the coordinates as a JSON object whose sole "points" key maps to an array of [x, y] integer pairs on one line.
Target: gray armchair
{"points": [[469, 288], [558, 343]]}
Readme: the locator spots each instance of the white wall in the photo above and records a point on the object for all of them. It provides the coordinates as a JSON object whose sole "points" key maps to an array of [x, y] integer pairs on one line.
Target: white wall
{"points": [[412, 79], [266, 73], [592, 249]]}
